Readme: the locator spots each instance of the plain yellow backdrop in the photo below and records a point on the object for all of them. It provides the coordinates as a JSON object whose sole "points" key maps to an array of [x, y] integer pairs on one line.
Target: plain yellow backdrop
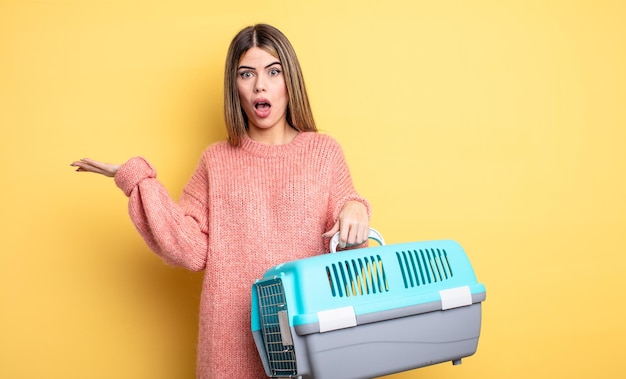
{"points": [[499, 124]]}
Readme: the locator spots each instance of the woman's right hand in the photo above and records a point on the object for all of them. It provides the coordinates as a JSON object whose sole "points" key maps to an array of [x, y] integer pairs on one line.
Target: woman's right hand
{"points": [[89, 165]]}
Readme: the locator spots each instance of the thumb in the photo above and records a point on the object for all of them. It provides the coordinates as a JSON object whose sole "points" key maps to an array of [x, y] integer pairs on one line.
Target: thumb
{"points": [[332, 231]]}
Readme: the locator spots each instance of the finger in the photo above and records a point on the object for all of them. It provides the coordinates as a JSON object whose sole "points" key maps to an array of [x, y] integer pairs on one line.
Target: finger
{"points": [[81, 166], [90, 165], [332, 231], [358, 234], [84, 166], [352, 239], [350, 235], [84, 162], [96, 165], [364, 233], [344, 236]]}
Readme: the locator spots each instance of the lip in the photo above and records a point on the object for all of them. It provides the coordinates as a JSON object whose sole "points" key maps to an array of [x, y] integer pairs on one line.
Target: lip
{"points": [[263, 111], [261, 100]]}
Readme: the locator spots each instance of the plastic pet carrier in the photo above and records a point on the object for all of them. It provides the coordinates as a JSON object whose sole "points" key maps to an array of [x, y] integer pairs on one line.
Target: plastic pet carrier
{"points": [[367, 312]]}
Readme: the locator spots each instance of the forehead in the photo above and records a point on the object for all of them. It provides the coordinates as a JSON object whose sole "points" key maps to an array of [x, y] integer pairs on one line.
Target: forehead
{"points": [[257, 56]]}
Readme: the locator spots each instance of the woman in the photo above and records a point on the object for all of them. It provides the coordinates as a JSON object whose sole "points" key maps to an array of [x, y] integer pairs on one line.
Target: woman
{"points": [[274, 192]]}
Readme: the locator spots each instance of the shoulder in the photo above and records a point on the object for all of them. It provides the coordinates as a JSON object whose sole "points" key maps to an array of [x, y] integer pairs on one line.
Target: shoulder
{"points": [[217, 149], [217, 146], [215, 155], [321, 141], [318, 137], [321, 148]]}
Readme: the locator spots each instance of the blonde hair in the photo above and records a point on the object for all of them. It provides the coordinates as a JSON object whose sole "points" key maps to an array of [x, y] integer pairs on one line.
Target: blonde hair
{"points": [[272, 40]]}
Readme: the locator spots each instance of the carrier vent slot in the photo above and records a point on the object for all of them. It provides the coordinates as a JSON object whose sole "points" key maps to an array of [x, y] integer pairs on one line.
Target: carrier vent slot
{"points": [[357, 277], [280, 355], [421, 267]]}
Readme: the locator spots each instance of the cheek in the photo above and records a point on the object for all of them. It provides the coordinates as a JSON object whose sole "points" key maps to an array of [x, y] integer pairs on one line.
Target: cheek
{"points": [[281, 90], [241, 90], [243, 101]]}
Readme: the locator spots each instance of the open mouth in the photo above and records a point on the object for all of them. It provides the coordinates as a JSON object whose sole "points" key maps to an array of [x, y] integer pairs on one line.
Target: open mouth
{"points": [[262, 107], [262, 104]]}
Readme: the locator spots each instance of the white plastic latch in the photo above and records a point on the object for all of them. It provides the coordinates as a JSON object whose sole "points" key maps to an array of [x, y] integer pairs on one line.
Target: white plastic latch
{"points": [[455, 297], [338, 318], [285, 331]]}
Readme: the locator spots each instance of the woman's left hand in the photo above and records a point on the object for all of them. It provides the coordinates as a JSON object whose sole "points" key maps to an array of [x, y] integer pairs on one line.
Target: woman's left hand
{"points": [[352, 224]]}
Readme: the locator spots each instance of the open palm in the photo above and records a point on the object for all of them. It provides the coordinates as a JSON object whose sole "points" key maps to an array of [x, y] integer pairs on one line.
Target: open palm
{"points": [[90, 165]]}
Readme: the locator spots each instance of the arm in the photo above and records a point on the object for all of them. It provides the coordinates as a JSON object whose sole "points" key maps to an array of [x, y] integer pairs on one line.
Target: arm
{"points": [[350, 212], [176, 232]]}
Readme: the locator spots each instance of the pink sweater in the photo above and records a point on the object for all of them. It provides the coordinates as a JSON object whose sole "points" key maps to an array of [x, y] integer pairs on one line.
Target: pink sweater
{"points": [[243, 211]]}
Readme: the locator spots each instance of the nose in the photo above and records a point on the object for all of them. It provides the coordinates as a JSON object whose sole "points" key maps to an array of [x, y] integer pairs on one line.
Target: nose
{"points": [[259, 85]]}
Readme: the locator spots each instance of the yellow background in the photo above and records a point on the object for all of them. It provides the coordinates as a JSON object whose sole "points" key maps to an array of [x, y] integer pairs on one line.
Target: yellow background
{"points": [[500, 124]]}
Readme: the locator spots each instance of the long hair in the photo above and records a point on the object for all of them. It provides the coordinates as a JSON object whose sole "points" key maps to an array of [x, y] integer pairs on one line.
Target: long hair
{"points": [[273, 41]]}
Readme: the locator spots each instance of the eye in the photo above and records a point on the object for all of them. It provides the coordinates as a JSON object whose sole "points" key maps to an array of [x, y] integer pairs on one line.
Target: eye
{"points": [[245, 74], [274, 72]]}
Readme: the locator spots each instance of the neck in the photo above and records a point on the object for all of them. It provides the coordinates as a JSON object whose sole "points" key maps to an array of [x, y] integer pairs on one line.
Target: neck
{"points": [[273, 136]]}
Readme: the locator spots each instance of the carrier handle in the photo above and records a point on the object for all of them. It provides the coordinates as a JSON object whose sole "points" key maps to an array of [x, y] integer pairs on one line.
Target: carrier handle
{"points": [[374, 234]]}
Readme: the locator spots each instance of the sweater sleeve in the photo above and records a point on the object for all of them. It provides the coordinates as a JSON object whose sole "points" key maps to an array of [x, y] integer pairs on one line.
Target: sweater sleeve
{"points": [[178, 232], [342, 186]]}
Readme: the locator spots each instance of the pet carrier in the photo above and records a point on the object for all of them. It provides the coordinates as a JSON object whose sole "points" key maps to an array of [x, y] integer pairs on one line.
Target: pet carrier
{"points": [[367, 312]]}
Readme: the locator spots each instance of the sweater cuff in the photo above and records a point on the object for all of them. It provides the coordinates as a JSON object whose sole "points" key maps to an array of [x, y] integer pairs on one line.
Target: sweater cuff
{"points": [[353, 197], [131, 173]]}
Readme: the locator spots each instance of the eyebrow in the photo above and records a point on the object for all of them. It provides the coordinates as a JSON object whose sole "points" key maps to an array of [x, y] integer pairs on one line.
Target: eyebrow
{"points": [[252, 68]]}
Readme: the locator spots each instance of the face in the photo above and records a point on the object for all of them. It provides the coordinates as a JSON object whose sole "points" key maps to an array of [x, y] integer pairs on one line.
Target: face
{"points": [[262, 90]]}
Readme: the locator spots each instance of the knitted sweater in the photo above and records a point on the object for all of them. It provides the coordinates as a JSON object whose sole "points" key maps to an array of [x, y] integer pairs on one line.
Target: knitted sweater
{"points": [[244, 210]]}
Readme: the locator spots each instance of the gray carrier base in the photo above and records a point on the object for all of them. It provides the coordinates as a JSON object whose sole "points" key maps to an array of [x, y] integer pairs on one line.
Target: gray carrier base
{"points": [[383, 343]]}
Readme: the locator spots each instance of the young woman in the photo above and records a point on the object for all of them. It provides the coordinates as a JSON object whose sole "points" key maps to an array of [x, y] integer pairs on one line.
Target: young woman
{"points": [[274, 192]]}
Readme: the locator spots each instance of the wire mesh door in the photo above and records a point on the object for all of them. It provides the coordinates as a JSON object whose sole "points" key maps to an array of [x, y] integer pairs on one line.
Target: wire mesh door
{"points": [[278, 345]]}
